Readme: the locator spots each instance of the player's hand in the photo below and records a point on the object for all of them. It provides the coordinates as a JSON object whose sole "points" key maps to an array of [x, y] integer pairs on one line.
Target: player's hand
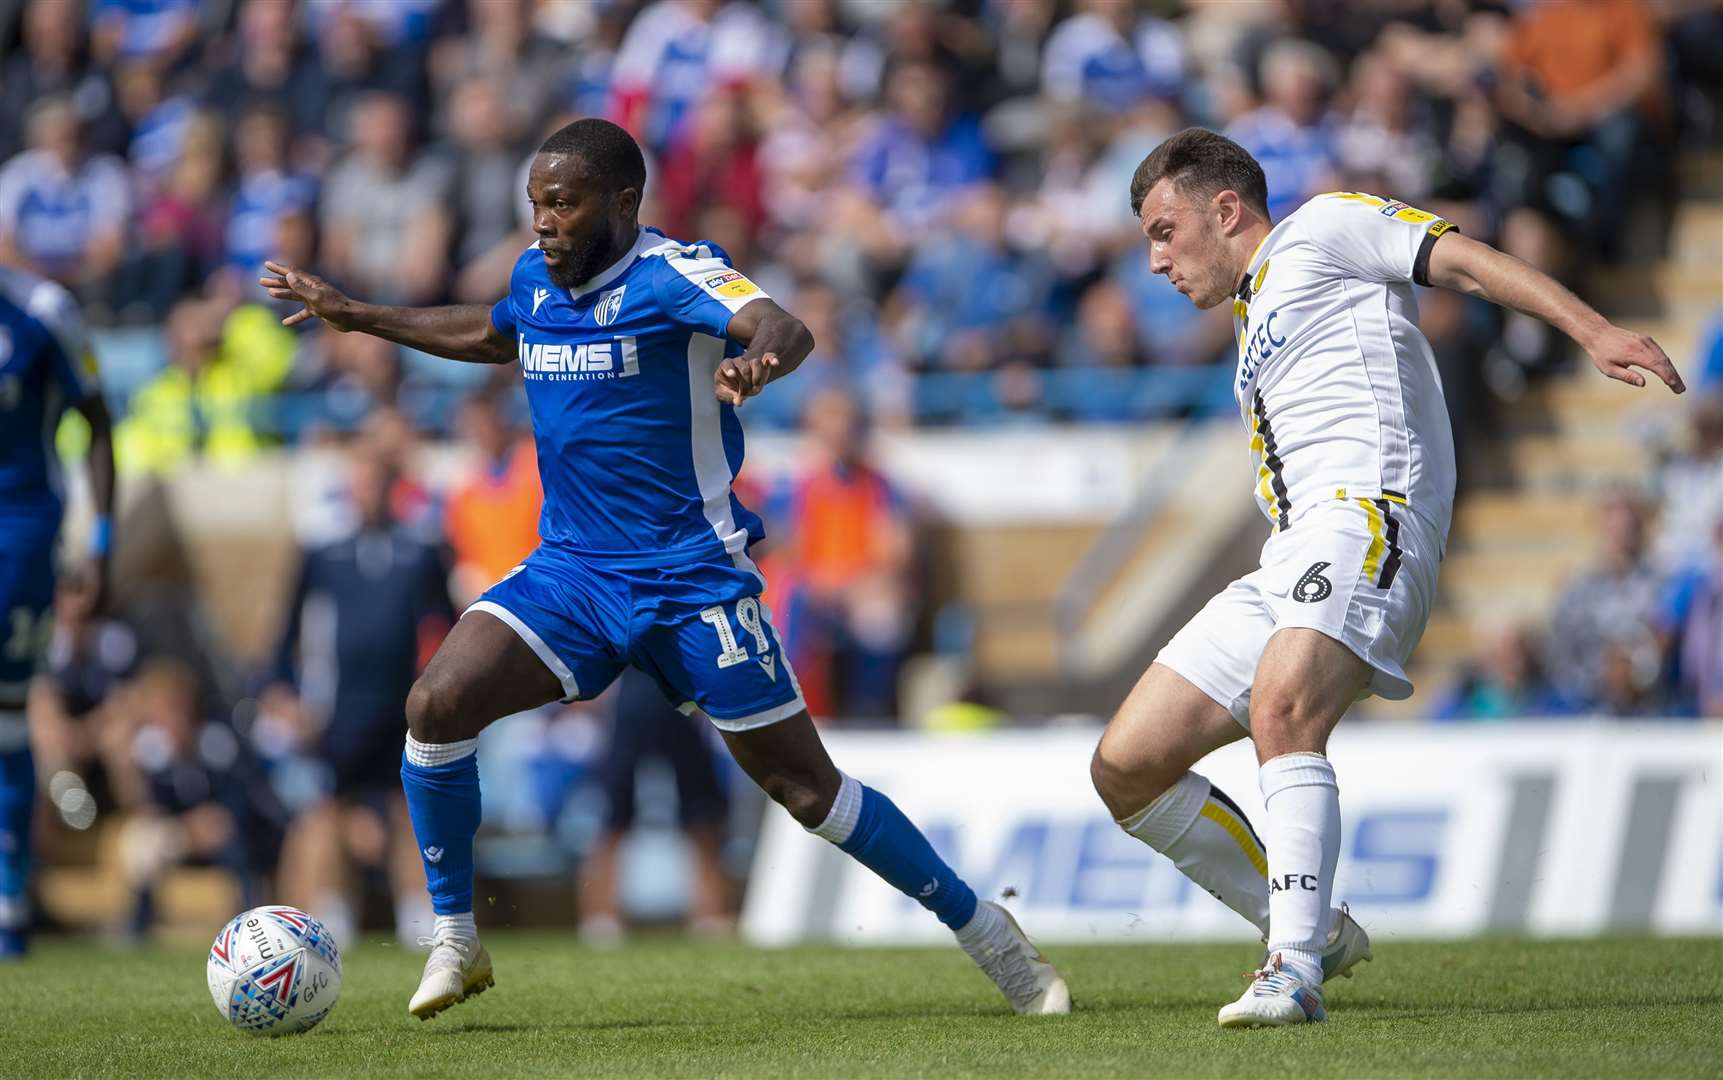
{"points": [[1616, 352], [321, 299], [743, 377]]}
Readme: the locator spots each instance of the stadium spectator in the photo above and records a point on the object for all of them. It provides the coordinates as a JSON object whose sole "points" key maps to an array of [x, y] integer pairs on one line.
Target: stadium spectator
{"points": [[365, 612], [1581, 86], [646, 727], [356, 64], [484, 167], [1690, 488], [714, 162], [192, 791], [77, 705], [492, 513], [972, 300], [160, 33], [848, 553], [52, 63], [1604, 635], [1382, 146], [1701, 657], [1503, 681], [503, 48], [266, 64], [678, 51], [63, 211], [158, 115], [270, 215], [921, 153], [1109, 57], [177, 235], [385, 219], [1293, 134], [220, 364], [343, 378]]}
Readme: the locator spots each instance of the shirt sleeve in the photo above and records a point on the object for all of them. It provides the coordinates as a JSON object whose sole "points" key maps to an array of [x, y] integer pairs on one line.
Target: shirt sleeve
{"points": [[1377, 239], [73, 361], [503, 311], [703, 291]]}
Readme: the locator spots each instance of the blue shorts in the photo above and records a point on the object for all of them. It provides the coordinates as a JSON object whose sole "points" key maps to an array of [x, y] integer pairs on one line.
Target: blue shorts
{"points": [[26, 621], [698, 629]]}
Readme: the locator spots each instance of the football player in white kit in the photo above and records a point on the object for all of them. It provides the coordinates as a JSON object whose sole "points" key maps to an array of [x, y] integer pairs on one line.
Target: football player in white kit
{"points": [[1354, 469]]}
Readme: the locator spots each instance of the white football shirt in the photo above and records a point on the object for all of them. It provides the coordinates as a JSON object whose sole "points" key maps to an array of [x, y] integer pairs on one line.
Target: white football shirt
{"points": [[1336, 383]]}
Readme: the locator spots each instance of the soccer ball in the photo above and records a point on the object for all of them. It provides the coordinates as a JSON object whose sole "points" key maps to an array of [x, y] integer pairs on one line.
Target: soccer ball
{"points": [[274, 971]]}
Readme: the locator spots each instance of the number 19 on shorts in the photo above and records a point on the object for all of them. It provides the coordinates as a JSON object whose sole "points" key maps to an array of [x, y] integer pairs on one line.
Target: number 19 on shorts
{"points": [[748, 616]]}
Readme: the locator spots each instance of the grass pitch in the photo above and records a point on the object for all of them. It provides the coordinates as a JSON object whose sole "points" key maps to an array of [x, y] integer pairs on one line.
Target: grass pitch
{"points": [[1642, 1008]]}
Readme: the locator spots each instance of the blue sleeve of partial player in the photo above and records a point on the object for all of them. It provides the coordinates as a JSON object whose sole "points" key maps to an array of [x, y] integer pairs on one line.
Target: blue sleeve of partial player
{"points": [[702, 292]]}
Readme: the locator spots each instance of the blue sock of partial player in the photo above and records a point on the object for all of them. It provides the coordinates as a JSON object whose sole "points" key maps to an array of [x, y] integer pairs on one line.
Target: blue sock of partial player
{"points": [[870, 827], [17, 796], [442, 785]]}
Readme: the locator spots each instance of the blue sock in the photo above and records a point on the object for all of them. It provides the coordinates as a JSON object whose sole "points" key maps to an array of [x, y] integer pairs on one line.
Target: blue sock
{"points": [[888, 843], [17, 797], [443, 801]]}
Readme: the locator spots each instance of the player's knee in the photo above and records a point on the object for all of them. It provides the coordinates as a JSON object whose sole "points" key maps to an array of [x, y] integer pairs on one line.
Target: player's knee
{"points": [[1280, 724], [435, 712], [800, 795], [1125, 786]]}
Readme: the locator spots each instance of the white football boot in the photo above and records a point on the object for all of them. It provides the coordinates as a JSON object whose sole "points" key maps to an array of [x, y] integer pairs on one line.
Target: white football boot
{"points": [[1348, 946], [1016, 966], [456, 970], [1276, 998]]}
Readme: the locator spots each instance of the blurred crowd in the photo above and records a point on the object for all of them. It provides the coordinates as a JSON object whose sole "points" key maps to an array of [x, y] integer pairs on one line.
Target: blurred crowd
{"points": [[1639, 631], [938, 187]]}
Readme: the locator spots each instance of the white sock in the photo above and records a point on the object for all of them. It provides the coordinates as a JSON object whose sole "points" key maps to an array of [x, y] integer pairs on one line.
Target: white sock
{"points": [[841, 819], [460, 927], [1303, 803], [1211, 842], [431, 755], [982, 927]]}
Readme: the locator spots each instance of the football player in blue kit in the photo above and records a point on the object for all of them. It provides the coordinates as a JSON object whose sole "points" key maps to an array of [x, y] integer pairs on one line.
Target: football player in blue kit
{"points": [[45, 366], [636, 350]]}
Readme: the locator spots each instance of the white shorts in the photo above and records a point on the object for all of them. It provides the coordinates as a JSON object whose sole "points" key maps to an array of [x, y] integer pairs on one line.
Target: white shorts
{"points": [[1361, 571]]}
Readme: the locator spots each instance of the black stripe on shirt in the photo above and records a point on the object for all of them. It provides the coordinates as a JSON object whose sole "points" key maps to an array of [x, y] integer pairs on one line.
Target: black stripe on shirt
{"points": [[1276, 478]]}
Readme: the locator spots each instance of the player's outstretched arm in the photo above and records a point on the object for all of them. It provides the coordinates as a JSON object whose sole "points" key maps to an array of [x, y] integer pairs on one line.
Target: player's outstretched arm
{"points": [[101, 464], [1465, 265], [777, 344], [456, 331]]}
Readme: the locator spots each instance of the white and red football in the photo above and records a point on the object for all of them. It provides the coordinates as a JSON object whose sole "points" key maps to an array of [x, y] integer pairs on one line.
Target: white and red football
{"points": [[274, 971]]}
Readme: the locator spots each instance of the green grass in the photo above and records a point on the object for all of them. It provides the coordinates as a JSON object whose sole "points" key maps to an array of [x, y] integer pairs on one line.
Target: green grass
{"points": [[1638, 1008]]}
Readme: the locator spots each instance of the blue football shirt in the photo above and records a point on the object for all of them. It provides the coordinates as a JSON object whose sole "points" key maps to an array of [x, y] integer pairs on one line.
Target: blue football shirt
{"points": [[635, 452], [45, 365]]}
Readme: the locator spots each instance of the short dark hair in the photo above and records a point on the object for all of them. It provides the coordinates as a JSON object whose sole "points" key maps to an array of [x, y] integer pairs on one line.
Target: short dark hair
{"points": [[609, 152], [1202, 163]]}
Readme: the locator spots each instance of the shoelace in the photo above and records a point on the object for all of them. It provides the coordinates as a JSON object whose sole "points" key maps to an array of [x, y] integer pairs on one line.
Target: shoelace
{"points": [[1269, 980], [1015, 975]]}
